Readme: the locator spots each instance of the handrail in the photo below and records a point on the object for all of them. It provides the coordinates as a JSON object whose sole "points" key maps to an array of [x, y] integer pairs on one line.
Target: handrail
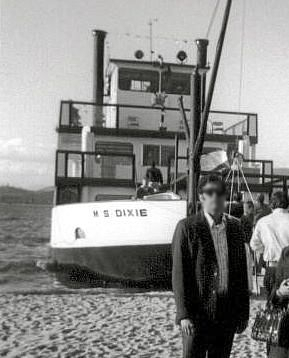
{"points": [[125, 105], [261, 175], [79, 152], [73, 115], [235, 125], [94, 154]]}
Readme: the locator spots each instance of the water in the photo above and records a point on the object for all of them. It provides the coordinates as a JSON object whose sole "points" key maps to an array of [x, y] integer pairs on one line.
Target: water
{"points": [[24, 245], [24, 252]]}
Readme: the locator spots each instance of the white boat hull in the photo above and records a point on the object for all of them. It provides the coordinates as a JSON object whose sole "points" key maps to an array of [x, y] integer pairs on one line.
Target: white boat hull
{"points": [[117, 240]]}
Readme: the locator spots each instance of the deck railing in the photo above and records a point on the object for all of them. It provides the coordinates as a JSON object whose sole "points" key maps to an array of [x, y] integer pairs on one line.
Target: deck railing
{"points": [[78, 114], [257, 173], [75, 169], [89, 168]]}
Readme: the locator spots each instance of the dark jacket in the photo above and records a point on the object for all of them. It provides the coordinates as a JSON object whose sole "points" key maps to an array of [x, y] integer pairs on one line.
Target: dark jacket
{"points": [[282, 273], [247, 225], [195, 271]]}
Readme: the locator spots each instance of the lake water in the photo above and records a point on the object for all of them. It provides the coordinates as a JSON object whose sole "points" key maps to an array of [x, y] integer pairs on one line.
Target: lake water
{"points": [[24, 245], [24, 252]]}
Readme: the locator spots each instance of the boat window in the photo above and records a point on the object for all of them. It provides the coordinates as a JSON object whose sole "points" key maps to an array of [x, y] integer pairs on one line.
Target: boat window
{"points": [[167, 152], [106, 155], [103, 147], [151, 153], [160, 154], [176, 83], [138, 80]]}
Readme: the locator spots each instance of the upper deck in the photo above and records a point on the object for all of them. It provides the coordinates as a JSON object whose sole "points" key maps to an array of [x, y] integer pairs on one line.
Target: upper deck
{"points": [[140, 120]]}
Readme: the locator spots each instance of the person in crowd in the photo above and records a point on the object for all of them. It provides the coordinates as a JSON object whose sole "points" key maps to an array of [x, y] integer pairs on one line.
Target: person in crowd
{"points": [[247, 220], [262, 209], [271, 236], [209, 276], [144, 190], [237, 209], [280, 299], [154, 174]]}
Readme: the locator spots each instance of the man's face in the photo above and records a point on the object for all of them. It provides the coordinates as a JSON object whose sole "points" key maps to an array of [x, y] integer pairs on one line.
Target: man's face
{"points": [[213, 198]]}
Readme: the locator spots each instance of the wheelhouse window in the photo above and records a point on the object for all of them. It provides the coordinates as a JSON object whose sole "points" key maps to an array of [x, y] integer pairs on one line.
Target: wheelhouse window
{"points": [[176, 83], [160, 154], [167, 152], [151, 153], [138, 80]]}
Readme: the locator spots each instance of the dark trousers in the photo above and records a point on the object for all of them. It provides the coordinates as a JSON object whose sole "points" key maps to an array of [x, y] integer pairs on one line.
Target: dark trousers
{"points": [[278, 352], [216, 341], [212, 338], [269, 279]]}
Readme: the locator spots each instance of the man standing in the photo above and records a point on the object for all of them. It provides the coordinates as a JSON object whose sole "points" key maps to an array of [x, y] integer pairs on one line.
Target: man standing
{"points": [[154, 174], [209, 277], [271, 236]]}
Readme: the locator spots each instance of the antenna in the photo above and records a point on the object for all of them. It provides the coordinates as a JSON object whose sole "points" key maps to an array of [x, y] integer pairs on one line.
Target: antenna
{"points": [[150, 23]]}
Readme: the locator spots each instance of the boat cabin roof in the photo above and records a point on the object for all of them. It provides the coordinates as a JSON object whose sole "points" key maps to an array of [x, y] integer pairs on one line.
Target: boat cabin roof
{"points": [[154, 64]]}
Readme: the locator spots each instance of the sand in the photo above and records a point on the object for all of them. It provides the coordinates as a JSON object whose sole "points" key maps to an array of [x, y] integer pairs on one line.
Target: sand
{"points": [[110, 324]]}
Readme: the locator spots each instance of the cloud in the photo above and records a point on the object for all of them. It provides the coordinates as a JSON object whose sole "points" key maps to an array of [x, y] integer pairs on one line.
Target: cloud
{"points": [[25, 165], [15, 149]]}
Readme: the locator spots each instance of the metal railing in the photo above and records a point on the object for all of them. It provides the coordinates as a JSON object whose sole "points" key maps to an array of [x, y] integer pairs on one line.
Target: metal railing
{"points": [[257, 172], [78, 114], [89, 168]]}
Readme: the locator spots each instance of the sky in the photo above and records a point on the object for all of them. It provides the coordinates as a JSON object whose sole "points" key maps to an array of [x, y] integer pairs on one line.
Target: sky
{"points": [[47, 51]]}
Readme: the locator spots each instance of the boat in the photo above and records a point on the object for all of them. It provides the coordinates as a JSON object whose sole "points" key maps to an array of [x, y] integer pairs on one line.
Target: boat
{"points": [[100, 230], [121, 240]]}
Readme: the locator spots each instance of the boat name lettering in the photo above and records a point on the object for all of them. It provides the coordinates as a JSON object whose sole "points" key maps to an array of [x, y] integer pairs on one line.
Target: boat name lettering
{"points": [[120, 213]]}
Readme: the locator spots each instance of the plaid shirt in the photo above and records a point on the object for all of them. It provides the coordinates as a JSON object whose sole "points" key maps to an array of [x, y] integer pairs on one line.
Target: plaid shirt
{"points": [[219, 236]]}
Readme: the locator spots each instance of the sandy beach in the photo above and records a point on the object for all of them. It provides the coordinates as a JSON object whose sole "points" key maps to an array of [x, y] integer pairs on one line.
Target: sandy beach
{"points": [[104, 324]]}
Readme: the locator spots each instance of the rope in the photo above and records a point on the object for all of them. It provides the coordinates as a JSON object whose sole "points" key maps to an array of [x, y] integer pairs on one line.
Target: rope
{"points": [[212, 20], [238, 178], [246, 183], [228, 176], [231, 194], [242, 54]]}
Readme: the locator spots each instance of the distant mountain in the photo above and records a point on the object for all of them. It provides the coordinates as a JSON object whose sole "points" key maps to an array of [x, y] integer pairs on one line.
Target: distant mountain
{"points": [[10, 195], [281, 171]]}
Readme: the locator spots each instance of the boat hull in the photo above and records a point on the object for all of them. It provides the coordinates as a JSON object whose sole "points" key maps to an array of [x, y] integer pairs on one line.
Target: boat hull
{"points": [[125, 241], [146, 263]]}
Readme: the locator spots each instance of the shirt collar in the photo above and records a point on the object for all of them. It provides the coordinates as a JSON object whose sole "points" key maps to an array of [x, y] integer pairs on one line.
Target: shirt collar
{"points": [[211, 221]]}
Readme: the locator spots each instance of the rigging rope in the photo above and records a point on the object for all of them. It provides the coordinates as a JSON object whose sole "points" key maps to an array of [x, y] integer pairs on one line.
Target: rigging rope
{"points": [[212, 20], [237, 167], [231, 193], [242, 54], [246, 183]]}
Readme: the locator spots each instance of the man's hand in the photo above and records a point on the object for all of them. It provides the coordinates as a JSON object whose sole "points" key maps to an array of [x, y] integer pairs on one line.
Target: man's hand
{"points": [[241, 327], [283, 290], [187, 327]]}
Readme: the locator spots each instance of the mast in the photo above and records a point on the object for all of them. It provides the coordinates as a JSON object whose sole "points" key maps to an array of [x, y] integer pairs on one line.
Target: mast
{"points": [[199, 118], [197, 93], [98, 80]]}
